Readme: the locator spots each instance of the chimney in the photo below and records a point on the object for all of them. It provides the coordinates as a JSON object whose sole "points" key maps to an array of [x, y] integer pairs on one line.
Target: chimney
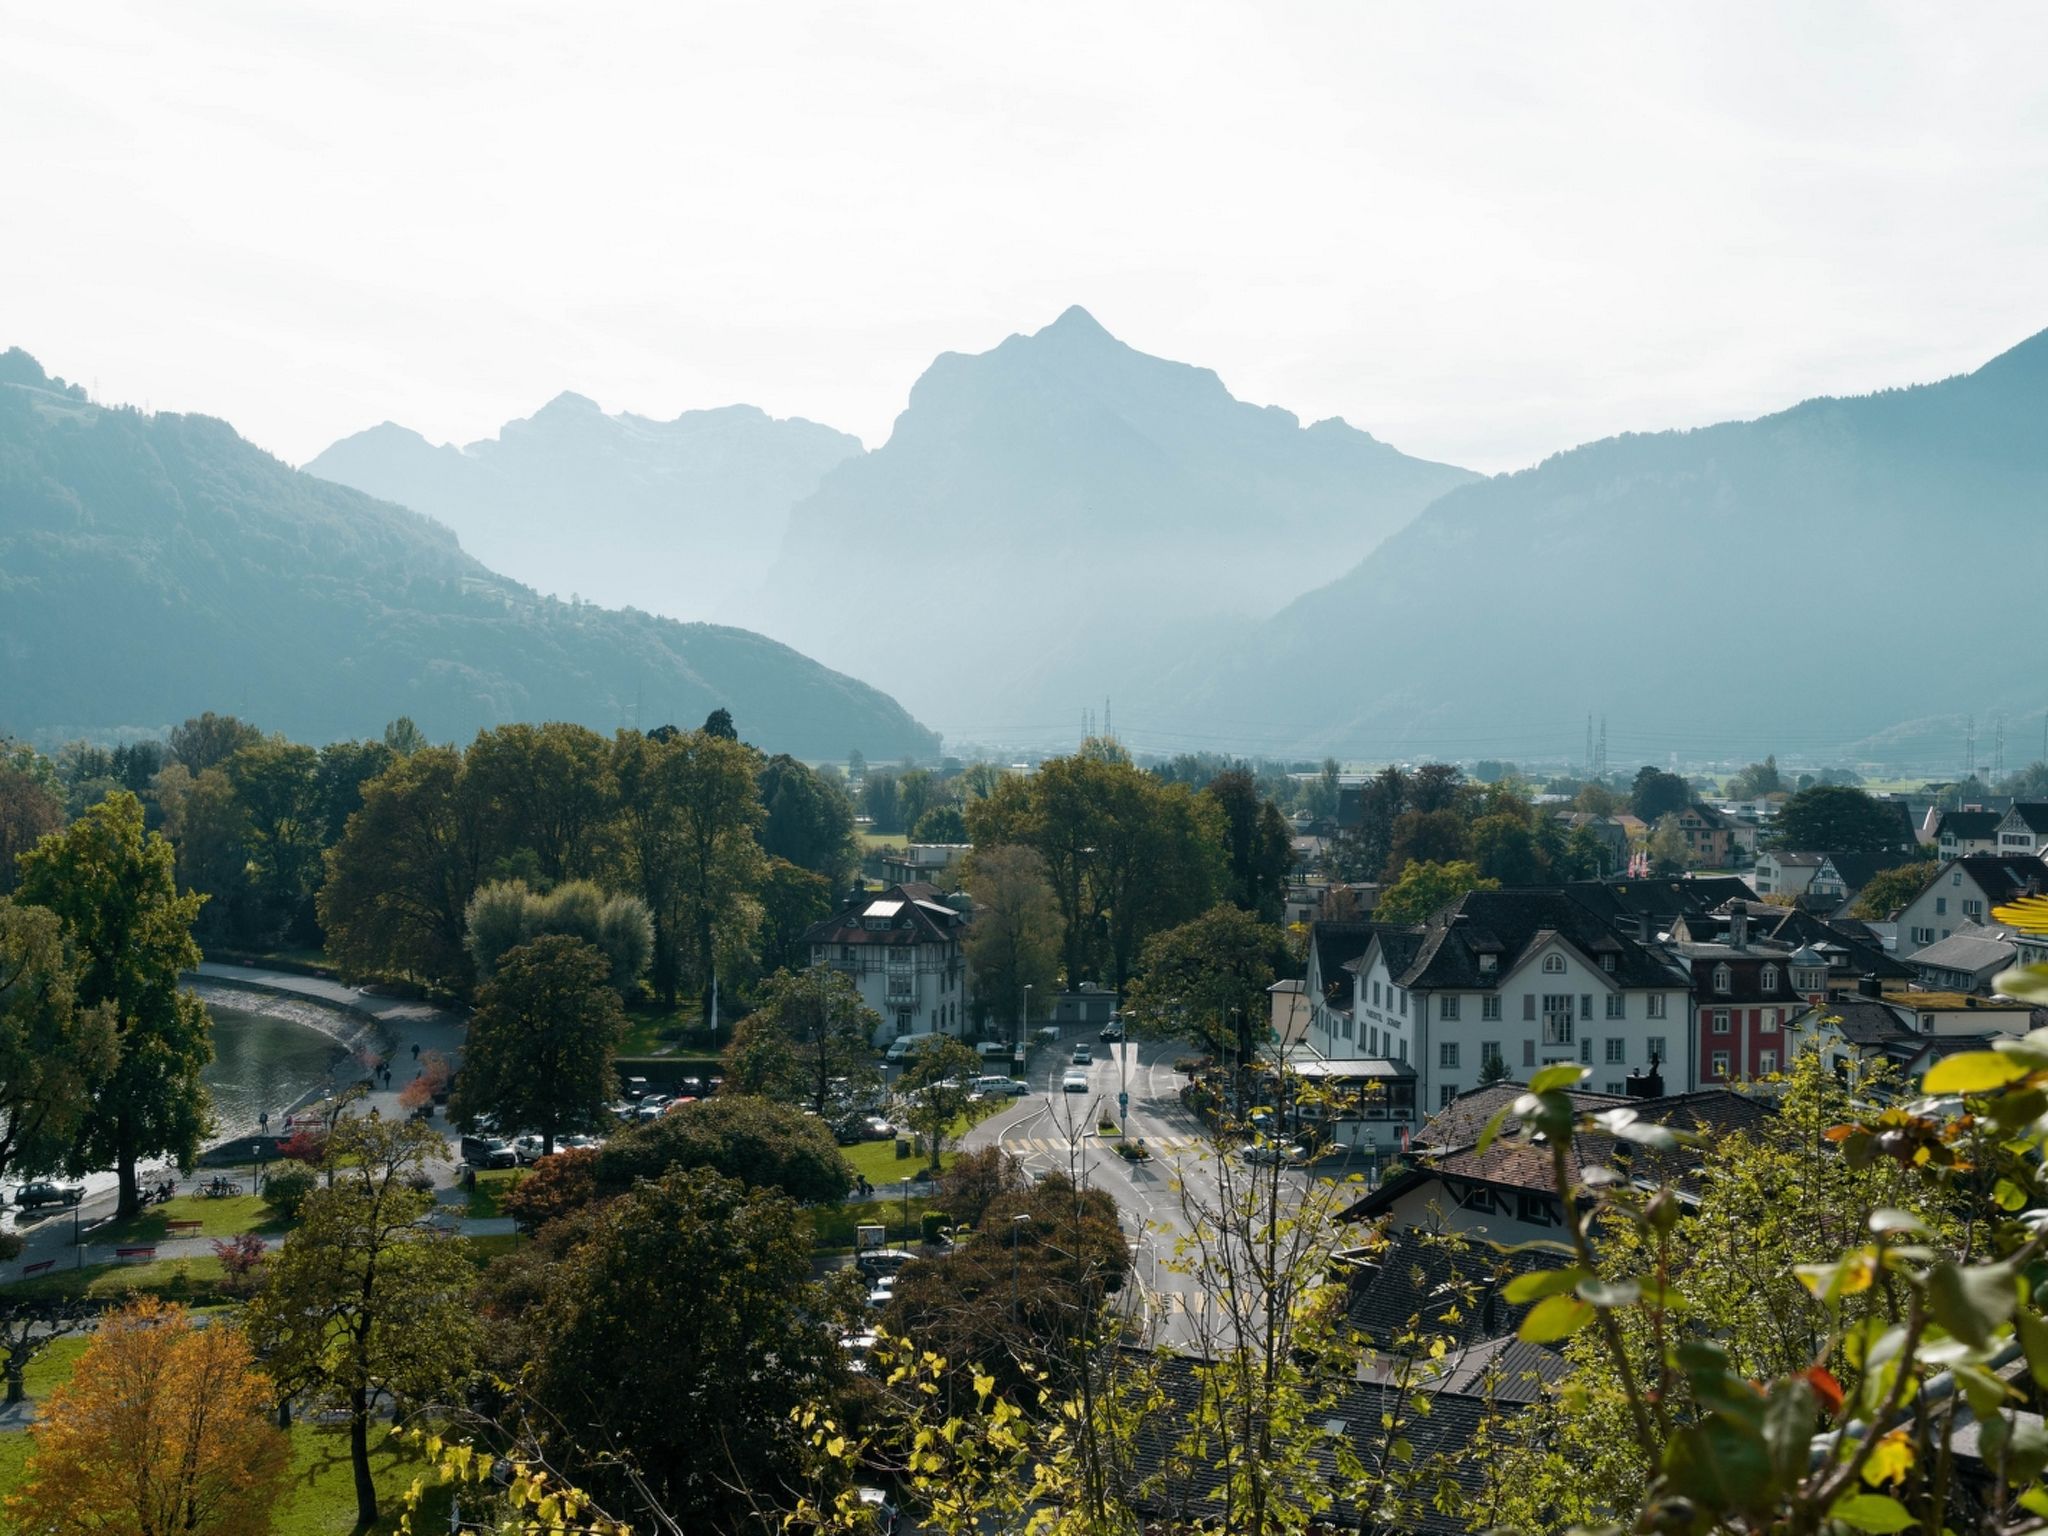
{"points": [[1738, 924], [1869, 986], [1645, 1085]]}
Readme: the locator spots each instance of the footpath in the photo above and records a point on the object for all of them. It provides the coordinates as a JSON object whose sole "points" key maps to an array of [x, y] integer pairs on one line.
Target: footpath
{"points": [[408, 1028]]}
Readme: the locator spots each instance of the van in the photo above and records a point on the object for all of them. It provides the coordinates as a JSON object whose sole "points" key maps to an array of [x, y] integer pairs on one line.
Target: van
{"points": [[901, 1047], [487, 1151]]}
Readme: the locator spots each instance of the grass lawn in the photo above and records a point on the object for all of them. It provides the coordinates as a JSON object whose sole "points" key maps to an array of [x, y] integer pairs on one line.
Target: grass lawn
{"points": [[484, 1249], [229, 1217], [878, 1160], [873, 840], [832, 1226], [491, 1185], [189, 1280], [652, 1030]]}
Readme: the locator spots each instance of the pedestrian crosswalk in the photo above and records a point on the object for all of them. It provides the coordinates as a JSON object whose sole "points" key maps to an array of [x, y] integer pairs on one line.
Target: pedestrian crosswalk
{"points": [[1153, 1144]]}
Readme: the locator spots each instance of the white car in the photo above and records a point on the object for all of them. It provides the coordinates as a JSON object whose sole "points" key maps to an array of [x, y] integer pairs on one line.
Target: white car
{"points": [[1075, 1081]]}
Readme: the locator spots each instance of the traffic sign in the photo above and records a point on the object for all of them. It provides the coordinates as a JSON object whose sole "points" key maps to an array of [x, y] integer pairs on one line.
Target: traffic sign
{"points": [[1123, 1101]]}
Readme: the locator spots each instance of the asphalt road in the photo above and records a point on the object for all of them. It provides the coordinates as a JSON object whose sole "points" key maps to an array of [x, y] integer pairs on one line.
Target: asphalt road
{"points": [[1054, 1131]]}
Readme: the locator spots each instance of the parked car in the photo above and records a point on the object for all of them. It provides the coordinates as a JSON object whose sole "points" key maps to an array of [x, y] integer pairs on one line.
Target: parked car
{"points": [[527, 1148], [41, 1192], [1001, 1087], [882, 1292], [1047, 1032], [488, 1152], [1075, 1081], [577, 1142], [1113, 1030], [1265, 1152], [875, 1262], [634, 1087], [878, 1506]]}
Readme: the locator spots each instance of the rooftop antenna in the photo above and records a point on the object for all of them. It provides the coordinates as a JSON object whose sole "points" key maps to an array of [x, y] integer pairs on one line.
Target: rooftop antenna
{"points": [[1107, 729], [1600, 762]]}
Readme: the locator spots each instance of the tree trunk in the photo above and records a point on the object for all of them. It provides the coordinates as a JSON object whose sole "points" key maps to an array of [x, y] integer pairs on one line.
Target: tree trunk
{"points": [[17, 1389], [131, 1192], [359, 1454]]}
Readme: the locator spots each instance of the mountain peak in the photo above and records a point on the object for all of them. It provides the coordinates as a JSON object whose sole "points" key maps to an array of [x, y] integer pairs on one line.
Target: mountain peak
{"points": [[1076, 322], [568, 402]]}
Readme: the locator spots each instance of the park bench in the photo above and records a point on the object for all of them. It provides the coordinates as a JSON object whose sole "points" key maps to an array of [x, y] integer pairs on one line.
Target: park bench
{"points": [[41, 1266], [139, 1252], [189, 1224]]}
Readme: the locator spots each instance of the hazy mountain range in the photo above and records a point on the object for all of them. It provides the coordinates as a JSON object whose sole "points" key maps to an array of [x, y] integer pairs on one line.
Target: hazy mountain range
{"points": [[680, 518], [1054, 520], [153, 566], [1849, 576]]}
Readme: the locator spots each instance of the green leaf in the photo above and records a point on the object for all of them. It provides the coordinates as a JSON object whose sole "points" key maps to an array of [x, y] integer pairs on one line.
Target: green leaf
{"points": [[1563, 1075], [1971, 1303], [1554, 1318], [1872, 1512], [1985, 1392], [1605, 1293], [1720, 1464], [2033, 1333], [1539, 1283], [1888, 1219], [1790, 1418], [1486, 1137], [2035, 1501], [1973, 1072]]}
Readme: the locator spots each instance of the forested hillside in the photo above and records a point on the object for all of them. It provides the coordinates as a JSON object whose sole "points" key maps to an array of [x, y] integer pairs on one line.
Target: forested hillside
{"points": [[152, 566]]}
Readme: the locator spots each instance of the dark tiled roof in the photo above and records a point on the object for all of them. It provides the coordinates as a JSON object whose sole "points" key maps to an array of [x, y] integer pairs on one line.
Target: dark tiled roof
{"points": [[1511, 925], [1515, 1164], [1857, 869], [1427, 1285], [2004, 875], [2032, 814], [1664, 898], [1336, 946], [1459, 1122], [1178, 1485], [1967, 826], [919, 917], [1785, 859], [1867, 1021]]}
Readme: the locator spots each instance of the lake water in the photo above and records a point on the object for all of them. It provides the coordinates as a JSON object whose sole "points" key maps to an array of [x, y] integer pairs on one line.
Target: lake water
{"points": [[272, 1053]]}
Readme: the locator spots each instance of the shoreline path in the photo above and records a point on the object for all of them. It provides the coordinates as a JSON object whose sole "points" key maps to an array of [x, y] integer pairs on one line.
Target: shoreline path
{"points": [[402, 1022]]}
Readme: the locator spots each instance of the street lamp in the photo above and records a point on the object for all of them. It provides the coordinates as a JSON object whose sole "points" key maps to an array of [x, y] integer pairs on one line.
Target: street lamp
{"points": [[1024, 1018]]}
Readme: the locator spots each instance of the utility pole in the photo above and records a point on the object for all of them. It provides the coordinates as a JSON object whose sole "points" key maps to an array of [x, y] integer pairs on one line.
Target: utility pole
{"points": [[1970, 748]]}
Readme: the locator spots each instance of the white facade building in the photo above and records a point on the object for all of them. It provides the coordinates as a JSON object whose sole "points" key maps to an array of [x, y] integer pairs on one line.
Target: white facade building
{"points": [[902, 949]]}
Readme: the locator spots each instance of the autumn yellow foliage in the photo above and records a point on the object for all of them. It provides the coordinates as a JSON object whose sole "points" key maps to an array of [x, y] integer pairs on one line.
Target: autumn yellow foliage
{"points": [[163, 1428]]}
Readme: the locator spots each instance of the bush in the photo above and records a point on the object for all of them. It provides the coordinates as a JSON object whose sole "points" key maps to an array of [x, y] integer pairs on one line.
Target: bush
{"points": [[11, 1244], [552, 1188], [285, 1190], [933, 1223]]}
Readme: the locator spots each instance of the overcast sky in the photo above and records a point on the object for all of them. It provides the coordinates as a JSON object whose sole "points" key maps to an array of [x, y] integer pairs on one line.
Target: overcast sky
{"points": [[1482, 233]]}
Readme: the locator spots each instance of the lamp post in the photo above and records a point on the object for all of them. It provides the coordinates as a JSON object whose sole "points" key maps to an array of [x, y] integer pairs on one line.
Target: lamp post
{"points": [[906, 1210], [1024, 1019]]}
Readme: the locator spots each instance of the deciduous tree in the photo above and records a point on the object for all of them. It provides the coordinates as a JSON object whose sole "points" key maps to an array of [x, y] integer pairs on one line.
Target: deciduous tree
{"points": [[115, 893], [1425, 889], [1014, 941], [759, 1143], [938, 1088], [542, 1041], [161, 1431], [1833, 818], [52, 1051], [396, 897], [362, 1301], [1206, 981], [680, 1338], [1890, 889], [811, 1029]]}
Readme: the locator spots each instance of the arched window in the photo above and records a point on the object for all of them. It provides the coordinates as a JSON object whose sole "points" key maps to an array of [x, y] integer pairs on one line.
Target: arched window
{"points": [[1553, 965], [1722, 978], [1770, 979]]}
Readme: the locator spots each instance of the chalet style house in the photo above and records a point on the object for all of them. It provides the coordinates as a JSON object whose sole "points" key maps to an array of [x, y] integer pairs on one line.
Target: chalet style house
{"points": [[902, 949]]}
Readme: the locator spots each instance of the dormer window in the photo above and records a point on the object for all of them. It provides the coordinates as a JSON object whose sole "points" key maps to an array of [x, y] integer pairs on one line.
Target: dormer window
{"points": [[1723, 978], [1487, 964], [1607, 964], [1770, 980], [1553, 965]]}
